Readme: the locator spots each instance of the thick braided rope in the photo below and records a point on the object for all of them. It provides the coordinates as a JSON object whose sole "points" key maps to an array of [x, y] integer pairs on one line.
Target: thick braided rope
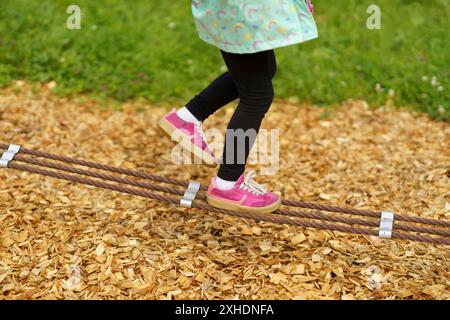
{"points": [[94, 183], [300, 214], [351, 221], [204, 206], [302, 204], [86, 163], [368, 213], [320, 225], [98, 175]]}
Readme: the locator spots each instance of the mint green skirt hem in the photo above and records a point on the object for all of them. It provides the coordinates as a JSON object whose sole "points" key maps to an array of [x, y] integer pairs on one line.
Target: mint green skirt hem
{"points": [[264, 46]]}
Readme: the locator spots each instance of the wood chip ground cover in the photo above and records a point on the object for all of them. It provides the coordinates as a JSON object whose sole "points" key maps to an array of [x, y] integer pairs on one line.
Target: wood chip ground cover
{"points": [[61, 240]]}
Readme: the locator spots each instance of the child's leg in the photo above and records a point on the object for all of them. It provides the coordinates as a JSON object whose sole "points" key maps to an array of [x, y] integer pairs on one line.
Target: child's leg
{"points": [[252, 74], [218, 94], [184, 125]]}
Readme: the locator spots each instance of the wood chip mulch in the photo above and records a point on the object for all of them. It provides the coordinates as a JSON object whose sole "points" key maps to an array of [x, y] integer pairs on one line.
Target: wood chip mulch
{"points": [[60, 240]]}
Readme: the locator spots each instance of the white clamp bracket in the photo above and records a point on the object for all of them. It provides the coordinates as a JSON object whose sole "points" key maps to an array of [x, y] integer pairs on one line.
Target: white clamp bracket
{"points": [[386, 224], [190, 194], [8, 155]]}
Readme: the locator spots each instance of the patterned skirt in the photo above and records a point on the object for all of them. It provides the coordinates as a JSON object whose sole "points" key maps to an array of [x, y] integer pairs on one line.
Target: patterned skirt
{"points": [[249, 26]]}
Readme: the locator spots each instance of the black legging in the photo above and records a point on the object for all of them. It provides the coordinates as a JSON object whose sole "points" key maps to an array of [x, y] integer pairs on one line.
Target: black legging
{"points": [[250, 79]]}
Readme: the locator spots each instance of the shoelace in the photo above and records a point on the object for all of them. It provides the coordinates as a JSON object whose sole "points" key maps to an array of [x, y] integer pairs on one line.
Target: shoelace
{"points": [[199, 129], [251, 185]]}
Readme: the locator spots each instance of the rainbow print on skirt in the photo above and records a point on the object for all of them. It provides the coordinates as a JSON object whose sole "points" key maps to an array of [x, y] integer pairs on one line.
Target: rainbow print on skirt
{"points": [[249, 26]]}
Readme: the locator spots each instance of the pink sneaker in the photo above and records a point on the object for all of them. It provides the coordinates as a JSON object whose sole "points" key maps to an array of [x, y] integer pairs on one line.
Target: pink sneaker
{"points": [[246, 195], [189, 135]]}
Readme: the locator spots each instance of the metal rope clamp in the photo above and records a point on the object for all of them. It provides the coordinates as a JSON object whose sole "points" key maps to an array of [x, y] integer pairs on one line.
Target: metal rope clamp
{"points": [[8, 155], [190, 194], [386, 224]]}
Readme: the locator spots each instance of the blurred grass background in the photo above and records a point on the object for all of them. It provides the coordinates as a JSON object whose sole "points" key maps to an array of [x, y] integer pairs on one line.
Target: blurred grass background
{"points": [[150, 49]]}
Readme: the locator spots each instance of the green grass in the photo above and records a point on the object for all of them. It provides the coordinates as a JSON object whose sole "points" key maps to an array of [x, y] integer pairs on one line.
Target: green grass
{"points": [[126, 50]]}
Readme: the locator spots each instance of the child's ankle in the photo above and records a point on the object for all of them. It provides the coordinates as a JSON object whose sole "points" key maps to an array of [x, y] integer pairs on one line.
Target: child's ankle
{"points": [[186, 115], [224, 184]]}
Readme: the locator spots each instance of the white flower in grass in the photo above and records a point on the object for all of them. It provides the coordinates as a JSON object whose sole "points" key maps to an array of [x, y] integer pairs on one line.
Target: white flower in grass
{"points": [[424, 78], [440, 88], [441, 109], [391, 92], [378, 87], [172, 25], [434, 81]]}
